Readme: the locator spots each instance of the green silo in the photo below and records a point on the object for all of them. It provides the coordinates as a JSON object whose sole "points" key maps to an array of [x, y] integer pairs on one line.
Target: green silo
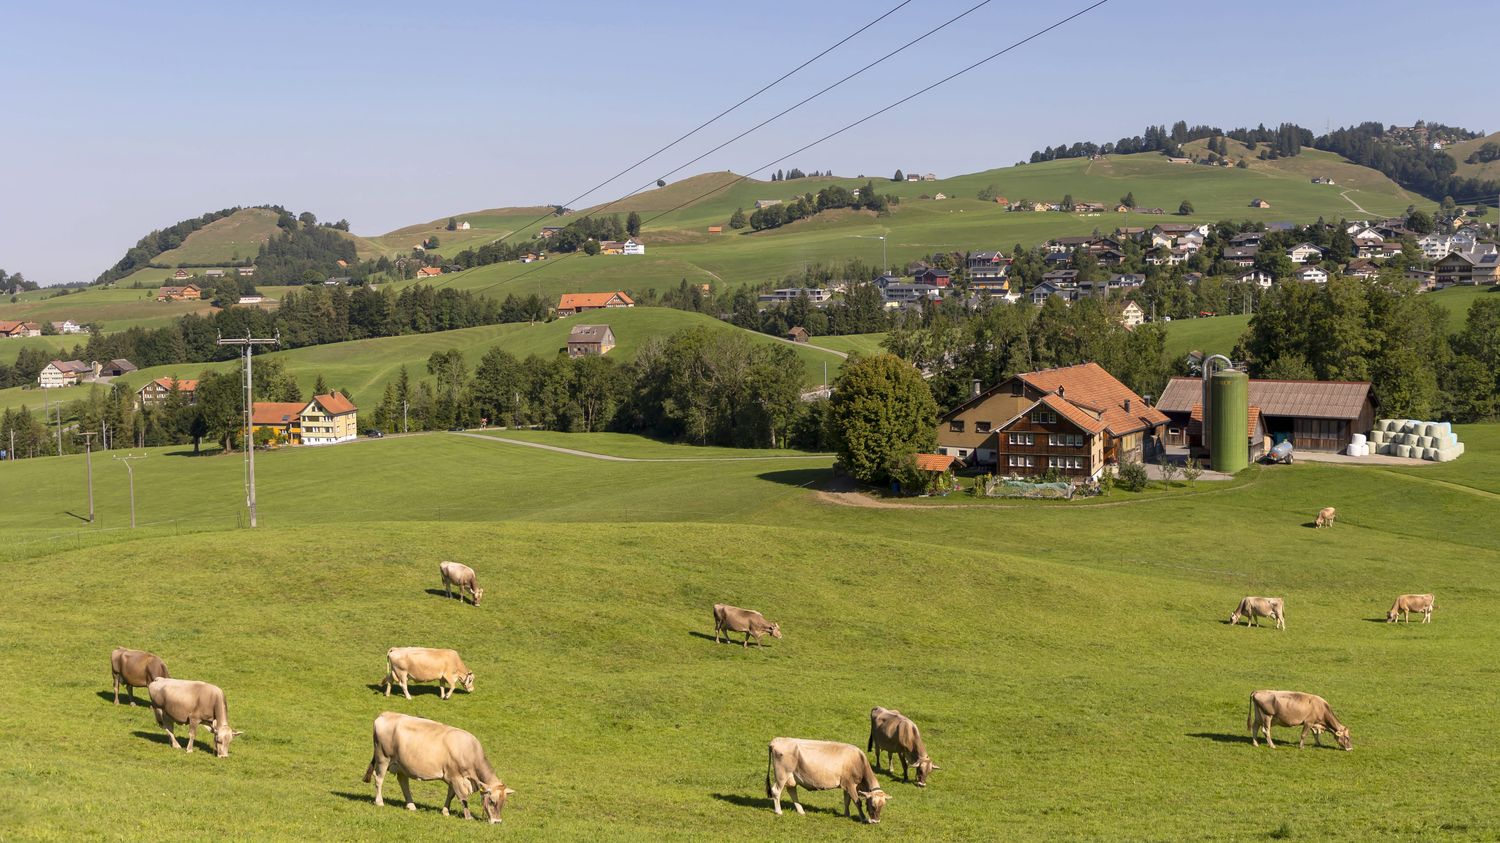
{"points": [[1228, 414]]}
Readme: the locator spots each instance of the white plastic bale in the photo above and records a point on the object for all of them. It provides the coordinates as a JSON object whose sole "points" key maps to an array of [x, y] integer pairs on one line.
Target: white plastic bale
{"points": [[1430, 454], [1357, 439], [1430, 429]]}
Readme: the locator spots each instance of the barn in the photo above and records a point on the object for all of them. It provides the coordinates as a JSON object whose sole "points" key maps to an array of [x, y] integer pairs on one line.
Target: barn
{"points": [[1312, 415]]}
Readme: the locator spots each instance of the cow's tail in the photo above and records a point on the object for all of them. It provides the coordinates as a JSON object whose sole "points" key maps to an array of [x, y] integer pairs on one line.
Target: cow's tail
{"points": [[770, 765], [370, 770], [1250, 721]]}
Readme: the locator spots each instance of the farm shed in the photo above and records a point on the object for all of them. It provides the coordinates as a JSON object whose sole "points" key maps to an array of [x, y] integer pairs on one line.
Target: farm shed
{"points": [[1312, 415]]}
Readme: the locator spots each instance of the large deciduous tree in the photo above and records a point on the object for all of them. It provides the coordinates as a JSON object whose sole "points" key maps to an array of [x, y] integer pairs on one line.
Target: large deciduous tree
{"points": [[881, 411]]}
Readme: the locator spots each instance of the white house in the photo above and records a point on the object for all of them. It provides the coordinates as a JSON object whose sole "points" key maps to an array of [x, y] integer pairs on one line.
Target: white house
{"points": [[787, 294], [1304, 252], [1258, 278], [67, 326], [1313, 275], [464, 226], [1435, 246], [631, 247], [1132, 315], [1368, 235], [63, 373]]}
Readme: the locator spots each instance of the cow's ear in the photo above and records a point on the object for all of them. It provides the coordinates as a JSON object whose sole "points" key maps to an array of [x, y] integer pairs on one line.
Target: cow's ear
{"points": [[510, 791], [236, 732]]}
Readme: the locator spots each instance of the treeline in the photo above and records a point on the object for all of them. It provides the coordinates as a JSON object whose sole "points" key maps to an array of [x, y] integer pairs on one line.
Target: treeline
{"points": [[304, 251], [833, 196], [1490, 151], [1386, 333], [795, 173], [703, 386], [1286, 139], [163, 240], [1415, 167], [16, 283]]}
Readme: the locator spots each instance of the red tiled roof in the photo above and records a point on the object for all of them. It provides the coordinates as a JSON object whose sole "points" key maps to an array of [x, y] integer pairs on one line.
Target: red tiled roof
{"points": [[275, 412], [934, 462], [182, 385], [1089, 384], [335, 404], [429, 271], [573, 301]]}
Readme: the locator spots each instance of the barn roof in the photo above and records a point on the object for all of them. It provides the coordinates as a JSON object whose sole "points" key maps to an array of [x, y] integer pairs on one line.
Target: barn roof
{"points": [[1303, 399]]}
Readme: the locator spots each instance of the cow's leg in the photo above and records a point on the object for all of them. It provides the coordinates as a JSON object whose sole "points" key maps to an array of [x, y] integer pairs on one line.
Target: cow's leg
{"points": [[192, 730], [795, 804], [1318, 736], [447, 589], [380, 767], [405, 781], [117, 688], [448, 801], [404, 689], [1303, 738], [464, 789], [130, 689], [1269, 742], [387, 682], [172, 733], [776, 797], [718, 640], [846, 805], [903, 768], [449, 692]]}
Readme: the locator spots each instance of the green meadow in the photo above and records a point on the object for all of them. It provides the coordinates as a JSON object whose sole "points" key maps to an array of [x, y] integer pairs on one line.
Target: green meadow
{"points": [[1070, 666]]}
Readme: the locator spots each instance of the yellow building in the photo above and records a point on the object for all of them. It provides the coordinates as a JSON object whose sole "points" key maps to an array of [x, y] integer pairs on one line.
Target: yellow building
{"points": [[281, 418], [329, 419]]}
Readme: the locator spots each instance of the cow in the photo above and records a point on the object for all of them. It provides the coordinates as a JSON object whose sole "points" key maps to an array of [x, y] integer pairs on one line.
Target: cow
{"points": [[1294, 708], [1255, 608], [1325, 517], [729, 619], [823, 765], [894, 733], [426, 664], [462, 576], [134, 669], [427, 750], [176, 701], [1408, 603]]}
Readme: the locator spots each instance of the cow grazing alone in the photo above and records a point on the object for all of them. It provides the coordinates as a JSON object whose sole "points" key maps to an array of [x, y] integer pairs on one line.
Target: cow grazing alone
{"points": [[729, 619], [823, 765], [1326, 516], [176, 701], [134, 669], [1294, 708], [1255, 608], [1408, 603], [426, 664], [427, 750], [460, 576], [895, 734]]}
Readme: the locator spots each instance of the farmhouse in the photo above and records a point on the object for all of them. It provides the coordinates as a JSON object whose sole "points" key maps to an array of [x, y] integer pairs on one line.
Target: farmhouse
{"points": [[19, 329], [611, 247], [781, 295], [217, 273], [1073, 420], [63, 373], [156, 393], [464, 226], [590, 339], [181, 275], [1312, 415], [246, 271], [1361, 268], [572, 303], [67, 326], [187, 292], [632, 247], [429, 272], [766, 203], [1470, 267], [548, 231], [1312, 275], [1304, 252], [1131, 315], [283, 419], [329, 419]]}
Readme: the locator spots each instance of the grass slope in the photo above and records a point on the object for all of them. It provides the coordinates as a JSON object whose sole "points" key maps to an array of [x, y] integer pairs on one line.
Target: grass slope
{"points": [[1055, 710], [237, 237], [1487, 170], [116, 308]]}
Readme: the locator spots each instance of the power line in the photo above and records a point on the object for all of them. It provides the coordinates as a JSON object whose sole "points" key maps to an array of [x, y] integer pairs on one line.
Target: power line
{"points": [[705, 124], [872, 115]]}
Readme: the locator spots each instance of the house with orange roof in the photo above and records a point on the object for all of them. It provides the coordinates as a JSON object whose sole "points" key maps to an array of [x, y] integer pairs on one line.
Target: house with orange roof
{"points": [[156, 393], [21, 329], [1072, 420], [186, 292], [429, 272], [329, 419], [572, 303], [282, 419]]}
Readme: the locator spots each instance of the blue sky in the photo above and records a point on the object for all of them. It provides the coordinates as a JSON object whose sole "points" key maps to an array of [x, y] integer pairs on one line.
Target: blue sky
{"points": [[128, 117]]}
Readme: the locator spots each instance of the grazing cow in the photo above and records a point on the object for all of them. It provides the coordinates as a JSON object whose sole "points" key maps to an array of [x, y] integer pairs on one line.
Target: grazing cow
{"points": [[456, 574], [1325, 517], [823, 765], [426, 664], [894, 733], [1255, 608], [1408, 603], [176, 701], [134, 669], [1294, 708], [427, 750], [729, 619]]}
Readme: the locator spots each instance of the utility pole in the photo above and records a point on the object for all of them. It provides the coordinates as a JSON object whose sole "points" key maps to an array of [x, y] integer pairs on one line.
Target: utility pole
{"points": [[59, 428], [88, 460], [248, 344], [403, 416], [131, 471]]}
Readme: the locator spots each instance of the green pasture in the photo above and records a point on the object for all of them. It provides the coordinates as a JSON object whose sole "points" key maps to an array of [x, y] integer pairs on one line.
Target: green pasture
{"points": [[852, 343], [237, 237], [116, 308], [1070, 667], [10, 348]]}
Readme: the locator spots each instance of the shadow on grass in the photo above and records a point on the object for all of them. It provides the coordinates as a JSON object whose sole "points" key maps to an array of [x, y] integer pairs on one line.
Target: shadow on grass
{"points": [[1374, 620], [763, 803], [438, 592], [211, 452], [726, 640], [416, 690], [161, 738], [1219, 737], [397, 801], [1311, 525], [796, 476], [109, 697]]}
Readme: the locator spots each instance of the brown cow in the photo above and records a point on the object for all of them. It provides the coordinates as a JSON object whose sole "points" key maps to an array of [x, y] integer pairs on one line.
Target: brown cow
{"points": [[1325, 517], [823, 765], [176, 701], [1255, 608], [427, 750], [893, 732], [134, 669], [1294, 708], [1408, 603], [426, 664], [729, 619], [462, 576]]}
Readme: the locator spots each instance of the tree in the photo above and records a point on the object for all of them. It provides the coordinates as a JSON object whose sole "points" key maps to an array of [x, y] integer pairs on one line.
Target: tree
{"points": [[591, 247], [633, 224], [881, 411], [1128, 200], [1192, 471], [321, 386], [452, 224], [1242, 164], [899, 176], [1185, 209], [737, 219], [1420, 222], [661, 182]]}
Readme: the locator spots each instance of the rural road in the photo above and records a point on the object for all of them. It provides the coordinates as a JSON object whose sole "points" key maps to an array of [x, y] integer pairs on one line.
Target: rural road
{"points": [[573, 452], [1346, 198]]}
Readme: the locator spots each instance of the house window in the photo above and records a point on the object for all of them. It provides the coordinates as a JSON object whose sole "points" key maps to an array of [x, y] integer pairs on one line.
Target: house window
{"points": [[1043, 417], [1022, 439], [981, 427], [956, 426], [1016, 388], [1065, 440]]}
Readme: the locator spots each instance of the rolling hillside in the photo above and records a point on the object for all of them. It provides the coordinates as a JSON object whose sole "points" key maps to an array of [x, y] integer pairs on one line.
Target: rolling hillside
{"points": [[1485, 170], [231, 240]]}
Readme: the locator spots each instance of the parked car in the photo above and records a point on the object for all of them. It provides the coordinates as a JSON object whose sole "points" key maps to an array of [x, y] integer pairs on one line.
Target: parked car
{"points": [[457, 428], [373, 433]]}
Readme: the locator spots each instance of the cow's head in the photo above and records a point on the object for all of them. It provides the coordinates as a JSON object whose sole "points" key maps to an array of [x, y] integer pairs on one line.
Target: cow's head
{"points": [[775, 630], [494, 800], [1234, 617], [874, 803], [478, 595], [222, 736], [924, 769], [1343, 738], [468, 681], [1390, 617]]}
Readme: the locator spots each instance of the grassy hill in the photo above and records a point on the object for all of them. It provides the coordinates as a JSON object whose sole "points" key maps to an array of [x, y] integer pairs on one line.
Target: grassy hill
{"points": [[1486, 170], [364, 367], [1084, 686], [235, 238]]}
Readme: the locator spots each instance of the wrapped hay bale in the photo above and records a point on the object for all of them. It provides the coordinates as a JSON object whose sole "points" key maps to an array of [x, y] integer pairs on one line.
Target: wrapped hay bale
{"points": [[1430, 454], [1357, 439], [1403, 451], [1430, 429]]}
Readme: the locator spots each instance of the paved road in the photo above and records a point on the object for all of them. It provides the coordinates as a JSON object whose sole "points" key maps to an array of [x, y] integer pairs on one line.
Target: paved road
{"points": [[573, 452]]}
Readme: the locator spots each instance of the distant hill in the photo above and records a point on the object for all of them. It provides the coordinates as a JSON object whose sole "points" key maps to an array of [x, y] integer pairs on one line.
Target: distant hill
{"points": [[1489, 171], [228, 241]]}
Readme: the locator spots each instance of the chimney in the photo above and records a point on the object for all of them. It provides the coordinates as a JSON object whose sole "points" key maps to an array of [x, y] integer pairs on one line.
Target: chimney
{"points": [[1062, 391], [977, 388], [1127, 405]]}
